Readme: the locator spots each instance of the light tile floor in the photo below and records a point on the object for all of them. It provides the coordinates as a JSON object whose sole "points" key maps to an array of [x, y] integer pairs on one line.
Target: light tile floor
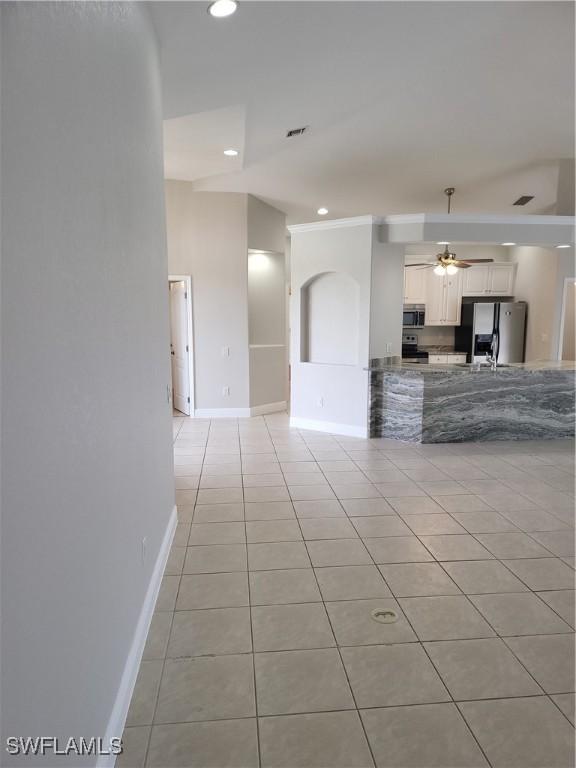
{"points": [[263, 651]]}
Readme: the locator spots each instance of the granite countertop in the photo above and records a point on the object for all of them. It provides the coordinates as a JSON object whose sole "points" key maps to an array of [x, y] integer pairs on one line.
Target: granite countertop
{"points": [[439, 350], [397, 364]]}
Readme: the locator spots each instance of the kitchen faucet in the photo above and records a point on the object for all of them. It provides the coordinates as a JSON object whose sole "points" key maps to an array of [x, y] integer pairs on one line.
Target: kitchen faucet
{"points": [[492, 361]]}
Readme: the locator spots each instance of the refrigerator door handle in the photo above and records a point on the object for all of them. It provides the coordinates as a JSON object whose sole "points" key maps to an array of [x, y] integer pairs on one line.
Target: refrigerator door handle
{"points": [[496, 332], [496, 345]]}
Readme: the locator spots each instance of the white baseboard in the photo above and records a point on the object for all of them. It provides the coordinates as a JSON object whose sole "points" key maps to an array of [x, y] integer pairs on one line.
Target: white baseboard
{"points": [[125, 689], [221, 413], [239, 413], [333, 427], [261, 410]]}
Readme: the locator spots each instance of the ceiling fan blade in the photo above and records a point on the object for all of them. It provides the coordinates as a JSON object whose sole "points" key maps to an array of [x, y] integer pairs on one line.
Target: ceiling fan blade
{"points": [[462, 265], [477, 261], [423, 264]]}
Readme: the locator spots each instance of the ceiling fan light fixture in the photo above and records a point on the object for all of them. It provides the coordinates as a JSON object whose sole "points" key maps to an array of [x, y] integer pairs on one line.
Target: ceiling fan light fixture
{"points": [[451, 269], [439, 269]]}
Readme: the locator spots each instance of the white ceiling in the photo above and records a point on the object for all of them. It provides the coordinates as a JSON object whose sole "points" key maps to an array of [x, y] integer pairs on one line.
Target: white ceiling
{"points": [[402, 100], [194, 144]]}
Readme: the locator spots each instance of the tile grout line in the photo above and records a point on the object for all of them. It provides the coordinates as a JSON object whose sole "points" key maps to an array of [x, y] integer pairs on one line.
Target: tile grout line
{"points": [[157, 698], [258, 741], [337, 646], [378, 454]]}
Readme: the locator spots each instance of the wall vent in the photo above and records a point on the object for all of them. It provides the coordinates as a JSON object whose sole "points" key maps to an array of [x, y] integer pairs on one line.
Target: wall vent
{"points": [[296, 132], [523, 200]]}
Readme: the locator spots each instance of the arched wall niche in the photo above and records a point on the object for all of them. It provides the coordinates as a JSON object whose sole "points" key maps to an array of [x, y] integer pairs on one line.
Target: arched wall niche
{"points": [[329, 322]]}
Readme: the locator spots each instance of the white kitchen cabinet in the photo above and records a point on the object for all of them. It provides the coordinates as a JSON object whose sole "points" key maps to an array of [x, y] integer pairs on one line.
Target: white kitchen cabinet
{"points": [[501, 279], [447, 358], [450, 358], [415, 285], [443, 299], [489, 280]]}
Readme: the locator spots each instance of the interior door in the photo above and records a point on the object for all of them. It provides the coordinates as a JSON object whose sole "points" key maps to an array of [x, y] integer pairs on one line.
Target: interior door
{"points": [[179, 346]]}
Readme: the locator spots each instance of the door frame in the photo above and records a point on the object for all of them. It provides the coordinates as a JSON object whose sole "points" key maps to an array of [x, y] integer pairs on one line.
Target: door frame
{"points": [[188, 280], [567, 281]]}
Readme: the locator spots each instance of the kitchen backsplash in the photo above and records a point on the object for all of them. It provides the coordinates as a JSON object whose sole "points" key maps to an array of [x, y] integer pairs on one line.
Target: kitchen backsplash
{"points": [[435, 336]]}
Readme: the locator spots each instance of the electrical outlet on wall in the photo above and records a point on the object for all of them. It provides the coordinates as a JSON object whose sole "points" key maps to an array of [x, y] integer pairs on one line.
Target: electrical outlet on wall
{"points": [[321, 402], [226, 391], [225, 351]]}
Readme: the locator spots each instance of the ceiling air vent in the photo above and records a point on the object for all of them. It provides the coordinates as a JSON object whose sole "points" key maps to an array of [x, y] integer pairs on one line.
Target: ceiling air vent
{"points": [[523, 200], [296, 132]]}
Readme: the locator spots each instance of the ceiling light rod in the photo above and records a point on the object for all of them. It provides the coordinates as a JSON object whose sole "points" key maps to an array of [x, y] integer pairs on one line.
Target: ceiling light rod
{"points": [[446, 262]]}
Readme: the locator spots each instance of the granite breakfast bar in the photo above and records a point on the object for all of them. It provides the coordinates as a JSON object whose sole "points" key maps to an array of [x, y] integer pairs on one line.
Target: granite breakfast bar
{"points": [[461, 403]]}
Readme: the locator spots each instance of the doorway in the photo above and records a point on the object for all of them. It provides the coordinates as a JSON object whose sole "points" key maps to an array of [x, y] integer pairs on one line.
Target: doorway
{"points": [[567, 350], [181, 343]]}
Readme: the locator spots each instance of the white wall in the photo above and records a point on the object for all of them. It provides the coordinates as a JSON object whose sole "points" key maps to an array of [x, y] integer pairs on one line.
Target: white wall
{"points": [[86, 459], [566, 268], [209, 236], [207, 239], [323, 395], [267, 328], [536, 283], [485, 251], [266, 298], [266, 226], [330, 316], [568, 350], [267, 306], [386, 299]]}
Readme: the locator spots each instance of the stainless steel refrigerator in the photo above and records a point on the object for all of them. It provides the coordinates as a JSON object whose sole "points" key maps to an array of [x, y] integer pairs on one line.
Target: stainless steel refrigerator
{"points": [[492, 328]]}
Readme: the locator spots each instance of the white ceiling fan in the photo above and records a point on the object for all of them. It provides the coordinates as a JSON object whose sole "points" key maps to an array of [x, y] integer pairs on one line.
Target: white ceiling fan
{"points": [[446, 262]]}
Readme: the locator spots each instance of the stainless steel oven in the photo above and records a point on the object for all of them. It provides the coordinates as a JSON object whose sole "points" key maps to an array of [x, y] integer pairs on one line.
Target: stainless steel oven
{"points": [[414, 316]]}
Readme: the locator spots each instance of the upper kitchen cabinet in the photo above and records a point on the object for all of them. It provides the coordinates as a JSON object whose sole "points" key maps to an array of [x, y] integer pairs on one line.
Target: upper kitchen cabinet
{"points": [[443, 299], [415, 285], [489, 280]]}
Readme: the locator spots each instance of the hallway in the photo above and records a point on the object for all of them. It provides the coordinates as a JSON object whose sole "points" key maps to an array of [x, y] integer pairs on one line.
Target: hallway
{"points": [[333, 602]]}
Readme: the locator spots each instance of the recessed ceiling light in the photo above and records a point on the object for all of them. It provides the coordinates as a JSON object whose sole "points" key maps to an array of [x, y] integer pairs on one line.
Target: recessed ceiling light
{"points": [[231, 152], [443, 242], [322, 211], [563, 246], [508, 243], [222, 8]]}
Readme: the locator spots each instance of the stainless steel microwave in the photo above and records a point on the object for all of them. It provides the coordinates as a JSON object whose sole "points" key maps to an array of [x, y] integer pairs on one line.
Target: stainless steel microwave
{"points": [[413, 316]]}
